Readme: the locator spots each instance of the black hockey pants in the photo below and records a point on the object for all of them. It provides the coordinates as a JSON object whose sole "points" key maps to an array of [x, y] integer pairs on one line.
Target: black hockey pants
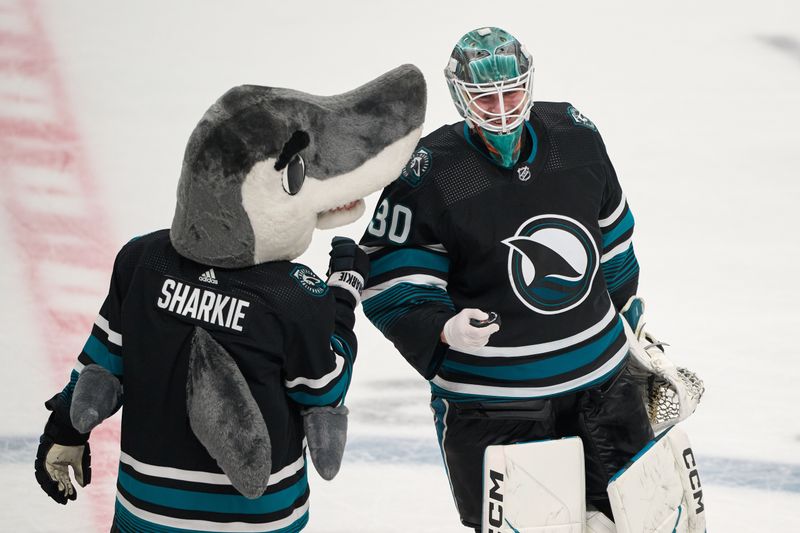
{"points": [[610, 420]]}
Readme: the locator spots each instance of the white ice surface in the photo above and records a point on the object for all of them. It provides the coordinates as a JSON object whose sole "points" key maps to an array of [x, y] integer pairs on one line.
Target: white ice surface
{"points": [[699, 105]]}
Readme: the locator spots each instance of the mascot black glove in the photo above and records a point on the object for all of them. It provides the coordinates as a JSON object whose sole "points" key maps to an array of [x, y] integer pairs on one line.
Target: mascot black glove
{"points": [[60, 447], [349, 267]]}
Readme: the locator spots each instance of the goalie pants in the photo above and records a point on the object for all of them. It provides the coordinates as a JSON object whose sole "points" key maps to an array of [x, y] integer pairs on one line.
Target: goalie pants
{"points": [[610, 419]]}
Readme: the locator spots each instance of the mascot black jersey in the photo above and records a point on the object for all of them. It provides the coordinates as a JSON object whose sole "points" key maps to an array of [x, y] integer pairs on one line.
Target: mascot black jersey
{"points": [[289, 336], [546, 244]]}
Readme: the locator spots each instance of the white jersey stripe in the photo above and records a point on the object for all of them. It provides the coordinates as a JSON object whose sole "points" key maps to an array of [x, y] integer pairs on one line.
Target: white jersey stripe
{"points": [[513, 391], [615, 251], [416, 279], [610, 219], [319, 382], [444, 438], [113, 336], [78, 367], [370, 249], [205, 525], [210, 478], [435, 247], [545, 347]]}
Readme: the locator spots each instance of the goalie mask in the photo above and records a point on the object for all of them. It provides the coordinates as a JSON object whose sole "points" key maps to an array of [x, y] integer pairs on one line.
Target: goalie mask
{"points": [[490, 75]]}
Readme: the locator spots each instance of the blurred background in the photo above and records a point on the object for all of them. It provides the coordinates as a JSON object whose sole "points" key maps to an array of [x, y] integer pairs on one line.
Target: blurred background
{"points": [[699, 107]]}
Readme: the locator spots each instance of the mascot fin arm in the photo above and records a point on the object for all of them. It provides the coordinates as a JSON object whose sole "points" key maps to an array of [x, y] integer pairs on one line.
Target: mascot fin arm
{"points": [[225, 418]]}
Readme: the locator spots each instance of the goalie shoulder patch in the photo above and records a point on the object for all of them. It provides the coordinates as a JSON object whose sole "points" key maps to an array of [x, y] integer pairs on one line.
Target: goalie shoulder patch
{"points": [[579, 119], [417, 167]]}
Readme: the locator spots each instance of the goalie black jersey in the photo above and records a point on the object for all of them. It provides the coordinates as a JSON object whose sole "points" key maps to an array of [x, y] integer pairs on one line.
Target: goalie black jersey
{"points": [[289, 333], [545, 244]]}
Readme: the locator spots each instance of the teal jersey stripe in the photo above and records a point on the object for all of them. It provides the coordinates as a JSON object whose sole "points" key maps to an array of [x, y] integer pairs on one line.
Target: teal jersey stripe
{"points": [[458, 397], [99, 353], [624, 277], [624, 225], [404, 294], [215, 503], [618, 262], [340, 346], [409, 257], [392, 303], [534, 143], [329, 398], [68, 390], [552, 366], [130, 523], [620, 269]]}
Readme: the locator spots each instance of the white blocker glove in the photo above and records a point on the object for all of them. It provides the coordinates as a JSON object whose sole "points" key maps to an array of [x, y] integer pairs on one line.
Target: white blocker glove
{"points": [[461, 335]]}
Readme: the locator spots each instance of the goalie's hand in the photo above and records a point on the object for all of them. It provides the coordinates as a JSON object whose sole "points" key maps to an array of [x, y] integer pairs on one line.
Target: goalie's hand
{"points": [[52, 468], [461, 335]]}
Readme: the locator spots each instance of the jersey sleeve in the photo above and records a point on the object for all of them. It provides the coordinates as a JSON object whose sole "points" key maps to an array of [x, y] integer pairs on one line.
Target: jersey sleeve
{"points": [[618, 261], [406, 295], [321, 351], [104, 345]]}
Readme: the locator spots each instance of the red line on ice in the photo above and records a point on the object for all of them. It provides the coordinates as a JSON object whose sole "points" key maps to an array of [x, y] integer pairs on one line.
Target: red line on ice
{"points": [[55, 216]]}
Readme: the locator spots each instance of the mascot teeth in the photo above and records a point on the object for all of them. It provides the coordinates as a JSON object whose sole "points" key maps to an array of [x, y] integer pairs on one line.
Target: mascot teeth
{"points": [[345, 207]]}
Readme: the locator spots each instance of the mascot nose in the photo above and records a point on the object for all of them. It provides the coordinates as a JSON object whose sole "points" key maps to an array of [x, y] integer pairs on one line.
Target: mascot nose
{"points": [[397, 96], [360, 123]]}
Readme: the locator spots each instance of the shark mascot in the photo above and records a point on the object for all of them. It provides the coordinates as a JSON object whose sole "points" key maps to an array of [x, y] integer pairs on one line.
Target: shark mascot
{"points": [[228, 359]]}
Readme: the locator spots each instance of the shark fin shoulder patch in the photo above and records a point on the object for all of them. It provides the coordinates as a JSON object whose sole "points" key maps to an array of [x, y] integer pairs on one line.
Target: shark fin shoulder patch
{"points": [[579, 119], [417, 167]]}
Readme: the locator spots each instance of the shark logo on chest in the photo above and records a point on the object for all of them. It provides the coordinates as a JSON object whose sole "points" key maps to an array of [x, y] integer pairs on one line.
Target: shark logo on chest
{"points": [[552, 263]]}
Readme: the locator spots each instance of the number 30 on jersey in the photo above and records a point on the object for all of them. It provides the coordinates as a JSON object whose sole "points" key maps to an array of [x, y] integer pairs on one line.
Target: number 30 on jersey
{"points": [[397, 220]]}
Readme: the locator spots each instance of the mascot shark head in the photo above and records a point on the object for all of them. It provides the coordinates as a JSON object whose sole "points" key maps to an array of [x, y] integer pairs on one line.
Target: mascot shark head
{"points": [[265, 166]]}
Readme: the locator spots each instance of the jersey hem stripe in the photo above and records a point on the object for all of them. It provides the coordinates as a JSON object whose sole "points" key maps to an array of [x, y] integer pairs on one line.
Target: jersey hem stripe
{"points": [[209, 478], [513, 391], [545, 347], [206, 525]]}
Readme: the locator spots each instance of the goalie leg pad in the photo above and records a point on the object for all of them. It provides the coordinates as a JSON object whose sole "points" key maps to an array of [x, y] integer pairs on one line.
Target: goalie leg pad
{"points": [[597, 522], [654, 493], [690, 478], [535, 487]]}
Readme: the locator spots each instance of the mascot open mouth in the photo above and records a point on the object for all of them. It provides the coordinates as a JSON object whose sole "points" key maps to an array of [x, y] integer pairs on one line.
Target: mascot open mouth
{"points": [[341, 214], [346, 207]]}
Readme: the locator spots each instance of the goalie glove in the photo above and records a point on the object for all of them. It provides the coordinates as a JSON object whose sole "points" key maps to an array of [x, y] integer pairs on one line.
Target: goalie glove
{"points": [[60, 447], [673, 393]]}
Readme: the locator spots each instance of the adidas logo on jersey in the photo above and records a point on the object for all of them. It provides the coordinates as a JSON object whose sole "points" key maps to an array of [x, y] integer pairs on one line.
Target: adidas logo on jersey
{"points": [[209, 277]]}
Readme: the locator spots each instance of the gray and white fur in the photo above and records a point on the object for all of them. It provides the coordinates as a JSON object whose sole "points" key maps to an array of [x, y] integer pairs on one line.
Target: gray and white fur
{"points": [[224, 416], [232, 210], [97, 395]]}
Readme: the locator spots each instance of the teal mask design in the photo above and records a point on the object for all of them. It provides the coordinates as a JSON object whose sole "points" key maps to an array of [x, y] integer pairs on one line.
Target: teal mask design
{"points": [[504, 148]]}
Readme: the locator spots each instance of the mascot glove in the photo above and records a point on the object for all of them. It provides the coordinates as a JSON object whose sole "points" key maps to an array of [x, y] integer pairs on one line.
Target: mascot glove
{"points": [[348, 267], [60, 447], [52, 469], [459, 334]]}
